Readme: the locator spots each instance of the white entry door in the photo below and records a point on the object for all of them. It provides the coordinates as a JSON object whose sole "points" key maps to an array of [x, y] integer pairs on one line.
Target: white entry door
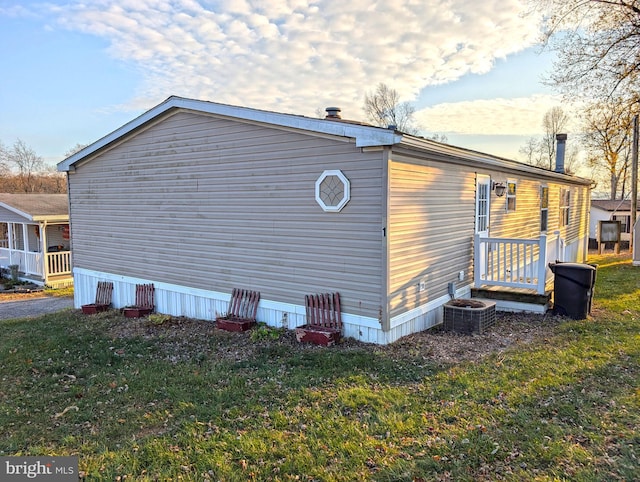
{"points": [[483, 194]]}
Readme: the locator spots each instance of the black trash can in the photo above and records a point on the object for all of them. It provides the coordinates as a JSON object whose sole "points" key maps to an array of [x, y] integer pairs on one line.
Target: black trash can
{"points": [[573, 289]]}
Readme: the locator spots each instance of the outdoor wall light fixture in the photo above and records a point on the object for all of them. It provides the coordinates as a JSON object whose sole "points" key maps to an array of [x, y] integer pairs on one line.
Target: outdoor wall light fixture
{"points": [[499, 188]]}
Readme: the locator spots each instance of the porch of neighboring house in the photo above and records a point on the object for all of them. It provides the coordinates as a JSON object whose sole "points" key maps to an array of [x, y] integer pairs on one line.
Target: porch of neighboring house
{"points": [[515, 273], [36, 252]]}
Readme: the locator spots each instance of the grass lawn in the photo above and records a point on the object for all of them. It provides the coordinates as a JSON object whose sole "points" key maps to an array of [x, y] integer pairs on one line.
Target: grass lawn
{"points": [[149, 404]]}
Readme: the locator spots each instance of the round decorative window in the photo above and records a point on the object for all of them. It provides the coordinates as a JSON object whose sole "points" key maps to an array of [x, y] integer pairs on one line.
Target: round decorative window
{"points": [[332, 191]]}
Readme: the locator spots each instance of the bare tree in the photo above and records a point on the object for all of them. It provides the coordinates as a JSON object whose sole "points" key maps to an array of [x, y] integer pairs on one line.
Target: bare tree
{"points": [[541, 151], [441, 138], [598, 46], [384, 109], [77, 148], [608, 135], [533, 151], [27, 163], [22, 170], [4, 159], [555, 121]]}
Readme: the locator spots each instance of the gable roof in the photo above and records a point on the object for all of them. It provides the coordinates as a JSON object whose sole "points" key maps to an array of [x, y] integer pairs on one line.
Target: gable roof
{"points": [[37, 207], [613, 205], [364, 135]]}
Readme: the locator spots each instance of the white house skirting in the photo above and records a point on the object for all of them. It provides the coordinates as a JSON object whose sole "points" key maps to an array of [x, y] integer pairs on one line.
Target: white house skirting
{"points": [[201, 304]]}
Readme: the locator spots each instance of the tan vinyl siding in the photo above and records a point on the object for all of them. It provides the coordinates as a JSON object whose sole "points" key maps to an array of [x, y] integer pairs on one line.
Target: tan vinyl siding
{"points": [[578, 213], [525, 221], [431, 225], [209, 203]]}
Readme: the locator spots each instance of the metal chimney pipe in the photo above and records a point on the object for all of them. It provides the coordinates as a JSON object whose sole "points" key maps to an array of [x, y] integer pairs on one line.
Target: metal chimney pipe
{"points": [[333, 113], [560, 148]]}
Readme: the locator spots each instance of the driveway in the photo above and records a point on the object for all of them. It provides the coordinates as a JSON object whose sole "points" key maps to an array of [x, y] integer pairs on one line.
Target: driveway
{"points": [[33, 307]]}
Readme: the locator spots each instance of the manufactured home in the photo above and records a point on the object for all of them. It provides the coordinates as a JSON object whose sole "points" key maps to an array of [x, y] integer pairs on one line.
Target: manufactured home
{"points": [[199, 198], [35, 238]]}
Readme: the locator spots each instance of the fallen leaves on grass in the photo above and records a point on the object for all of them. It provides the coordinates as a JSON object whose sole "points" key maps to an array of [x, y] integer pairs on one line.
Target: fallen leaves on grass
{"points": [[184, 339], [72, 407]]}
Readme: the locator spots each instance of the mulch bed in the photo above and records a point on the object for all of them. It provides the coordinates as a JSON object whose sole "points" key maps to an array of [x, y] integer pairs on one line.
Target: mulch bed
{"points": [[21, 289], [185, 339]]}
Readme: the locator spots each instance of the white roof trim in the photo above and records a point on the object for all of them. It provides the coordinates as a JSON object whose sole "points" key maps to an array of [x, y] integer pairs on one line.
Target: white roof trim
{"points": [[489, 160], [365, 136], [8, 207], [53, 218]]}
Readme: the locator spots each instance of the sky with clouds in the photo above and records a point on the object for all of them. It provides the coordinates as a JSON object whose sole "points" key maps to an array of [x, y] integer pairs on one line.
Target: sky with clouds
{"points": [[73, 71]]}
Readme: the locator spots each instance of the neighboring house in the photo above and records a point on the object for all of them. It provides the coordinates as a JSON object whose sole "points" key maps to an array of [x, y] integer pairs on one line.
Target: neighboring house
{"points": [[199, 198], [610, 210], [35, 238]]}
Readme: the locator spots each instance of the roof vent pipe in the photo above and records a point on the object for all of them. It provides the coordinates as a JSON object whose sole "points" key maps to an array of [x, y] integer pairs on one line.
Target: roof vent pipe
{"points": [[333, 113], [560, 148]]}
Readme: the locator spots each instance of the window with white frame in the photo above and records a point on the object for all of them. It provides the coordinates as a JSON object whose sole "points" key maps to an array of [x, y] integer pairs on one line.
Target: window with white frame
{"points": [[333, 190], [544, 208], [511, 195], [18, 236], [4, 235], [565, 201]]}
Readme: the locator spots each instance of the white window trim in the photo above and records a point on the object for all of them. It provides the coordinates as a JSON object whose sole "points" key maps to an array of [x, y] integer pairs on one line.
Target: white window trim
{"points": [[542, 188], [507, 196], [565, 208], [347, 191]]}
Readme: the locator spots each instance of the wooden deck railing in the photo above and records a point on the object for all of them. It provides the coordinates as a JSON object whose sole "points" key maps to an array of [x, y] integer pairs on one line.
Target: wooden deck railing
{"points": [[511, 262]]}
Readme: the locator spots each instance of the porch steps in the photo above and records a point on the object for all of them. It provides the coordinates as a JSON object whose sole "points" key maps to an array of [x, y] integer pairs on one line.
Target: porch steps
{"points": [[63, 281], [515, 299], [55, 282]]}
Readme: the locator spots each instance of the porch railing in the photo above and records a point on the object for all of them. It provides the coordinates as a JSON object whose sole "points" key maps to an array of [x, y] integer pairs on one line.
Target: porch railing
{"points": [[511, 262], [31, 263], [59, 263]]}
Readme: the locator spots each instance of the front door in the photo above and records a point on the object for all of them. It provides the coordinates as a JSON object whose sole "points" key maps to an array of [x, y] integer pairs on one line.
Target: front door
{"points": [[483, 193]]}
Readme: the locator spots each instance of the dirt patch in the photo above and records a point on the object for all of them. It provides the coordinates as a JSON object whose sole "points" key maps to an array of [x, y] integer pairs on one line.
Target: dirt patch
{"points": [[186, 339]]}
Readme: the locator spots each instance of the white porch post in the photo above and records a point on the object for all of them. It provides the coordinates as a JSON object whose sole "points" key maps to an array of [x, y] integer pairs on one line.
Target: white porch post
{"points": [[559, 253], [542, 264], [476, 261], [25, 238], [10, 245], [43, 244]]}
